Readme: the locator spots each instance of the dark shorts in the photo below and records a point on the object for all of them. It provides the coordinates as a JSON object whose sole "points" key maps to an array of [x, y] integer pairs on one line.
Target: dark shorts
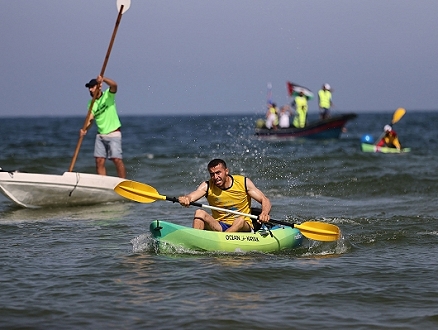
{"points": [[224, 225], [324, 113]]}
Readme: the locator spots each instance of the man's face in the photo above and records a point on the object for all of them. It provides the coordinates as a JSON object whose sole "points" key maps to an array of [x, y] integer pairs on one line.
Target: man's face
{"points": [[219, 175], [92, 90]]}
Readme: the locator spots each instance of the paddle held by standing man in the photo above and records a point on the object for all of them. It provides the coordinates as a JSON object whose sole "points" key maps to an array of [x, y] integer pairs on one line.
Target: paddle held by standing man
{"points": [[108, 143]]}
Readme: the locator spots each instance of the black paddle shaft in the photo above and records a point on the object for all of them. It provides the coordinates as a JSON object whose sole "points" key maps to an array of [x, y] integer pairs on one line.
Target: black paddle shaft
{"points": [[172, 199], [175, 200]]}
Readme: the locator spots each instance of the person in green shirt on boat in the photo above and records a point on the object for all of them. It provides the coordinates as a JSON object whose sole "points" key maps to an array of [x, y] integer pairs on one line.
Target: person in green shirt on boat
{"points": [[233, 192], [108, 143], [325, 101], [300, 105]]}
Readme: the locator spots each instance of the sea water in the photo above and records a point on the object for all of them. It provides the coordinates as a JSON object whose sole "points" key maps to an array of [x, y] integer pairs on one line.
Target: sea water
{"points": [[95, 267]]}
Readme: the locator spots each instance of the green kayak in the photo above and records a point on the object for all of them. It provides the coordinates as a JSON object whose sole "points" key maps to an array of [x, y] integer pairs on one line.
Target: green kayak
{"points": [[278, 238], [366, 147]]}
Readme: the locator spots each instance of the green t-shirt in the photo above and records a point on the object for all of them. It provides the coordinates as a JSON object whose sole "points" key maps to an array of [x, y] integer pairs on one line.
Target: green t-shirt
{"points": [[105, 113]]}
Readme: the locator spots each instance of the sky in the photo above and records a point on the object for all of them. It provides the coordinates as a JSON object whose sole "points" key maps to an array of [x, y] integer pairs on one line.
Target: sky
{"points": [[217, 57]]}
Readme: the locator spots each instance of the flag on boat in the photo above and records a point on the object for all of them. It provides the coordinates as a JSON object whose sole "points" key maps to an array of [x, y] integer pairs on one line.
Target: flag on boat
{"points": [[295, 90]]}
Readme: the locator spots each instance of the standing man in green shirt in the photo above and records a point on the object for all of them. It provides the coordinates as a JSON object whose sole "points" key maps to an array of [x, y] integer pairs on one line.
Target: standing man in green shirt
{"points": [[324, 101], [108, 142]]}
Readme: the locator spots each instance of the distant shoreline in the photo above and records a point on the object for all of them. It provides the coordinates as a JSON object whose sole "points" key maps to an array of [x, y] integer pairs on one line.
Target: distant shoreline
{"points": [[122, 115]]}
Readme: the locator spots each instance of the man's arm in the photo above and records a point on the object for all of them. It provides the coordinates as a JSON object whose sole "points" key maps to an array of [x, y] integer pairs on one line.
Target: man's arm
{"points": [[396, 143], [194, 195], [111, 83], [83, 132], [260, 197]]}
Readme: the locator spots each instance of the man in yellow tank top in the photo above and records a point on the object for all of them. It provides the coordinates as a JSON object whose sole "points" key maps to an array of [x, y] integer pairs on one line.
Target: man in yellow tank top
{"points": [[233, 192]]}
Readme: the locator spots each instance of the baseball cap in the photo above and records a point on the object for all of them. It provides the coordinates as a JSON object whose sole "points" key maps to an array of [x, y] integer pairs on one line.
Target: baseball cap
{"points": [[91, 83]]}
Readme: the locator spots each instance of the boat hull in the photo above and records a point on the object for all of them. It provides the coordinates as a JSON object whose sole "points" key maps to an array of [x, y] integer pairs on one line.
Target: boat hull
{"points": [[366, 147], [330, 128], [33, 190], [203, 240]]}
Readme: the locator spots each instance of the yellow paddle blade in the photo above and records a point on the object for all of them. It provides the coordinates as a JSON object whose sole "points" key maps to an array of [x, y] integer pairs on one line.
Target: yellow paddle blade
{"points": [[319, 231], [139, 192], [398, 114]]}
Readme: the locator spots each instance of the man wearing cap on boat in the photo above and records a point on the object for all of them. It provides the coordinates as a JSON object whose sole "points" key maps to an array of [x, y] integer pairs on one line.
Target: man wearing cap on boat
{"points": [[233, 192], [324, 101], [108, 142], [390, 139]]}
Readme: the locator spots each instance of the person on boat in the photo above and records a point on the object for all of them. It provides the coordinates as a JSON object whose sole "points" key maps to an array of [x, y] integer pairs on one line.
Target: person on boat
{"points": [[108, 143], [271, 116], [324, 101], [390, 138], [285, 113], [226, 191], [300, 105]]}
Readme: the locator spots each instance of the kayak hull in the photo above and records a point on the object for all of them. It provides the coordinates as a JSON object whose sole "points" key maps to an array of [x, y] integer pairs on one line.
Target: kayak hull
{"points": [[283, 237], [366, 147], [32, 190]]}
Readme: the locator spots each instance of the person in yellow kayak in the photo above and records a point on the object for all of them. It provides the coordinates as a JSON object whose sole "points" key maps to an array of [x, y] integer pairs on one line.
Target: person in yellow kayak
{"points": [[233, 192], [324, 101], [300, 105], [390, 139]]}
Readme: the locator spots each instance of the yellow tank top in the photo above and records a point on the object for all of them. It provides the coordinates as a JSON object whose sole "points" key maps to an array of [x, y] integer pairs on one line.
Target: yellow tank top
{"points": [[324, 99], [234, 198], [392, 140]]}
